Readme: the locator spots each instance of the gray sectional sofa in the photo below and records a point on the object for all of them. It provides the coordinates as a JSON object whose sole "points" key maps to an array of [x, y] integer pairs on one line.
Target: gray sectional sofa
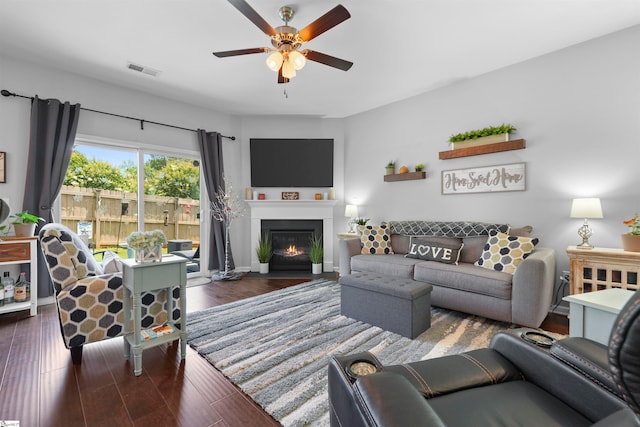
{"points": [[522, 298]]}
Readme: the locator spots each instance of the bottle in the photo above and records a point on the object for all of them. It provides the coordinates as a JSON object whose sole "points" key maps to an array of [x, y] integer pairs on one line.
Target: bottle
{"points": [[1, 294], [28, 292], [20, 292], [8, 288]]}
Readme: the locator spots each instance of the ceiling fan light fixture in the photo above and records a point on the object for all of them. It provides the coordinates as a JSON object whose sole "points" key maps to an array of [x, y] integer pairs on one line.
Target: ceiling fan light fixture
{"points": [[298, 59], [274, 61], [288, 69]]}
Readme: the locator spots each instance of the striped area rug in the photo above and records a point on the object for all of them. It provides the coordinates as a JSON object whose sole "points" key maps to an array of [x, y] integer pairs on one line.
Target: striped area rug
{"points": [[276, 346]]}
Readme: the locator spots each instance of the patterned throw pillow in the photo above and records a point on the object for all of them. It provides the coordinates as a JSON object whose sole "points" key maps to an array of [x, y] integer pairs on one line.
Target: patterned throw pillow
{"points": [[375, 239], [505, 253], [434, 250], [111, 263]]}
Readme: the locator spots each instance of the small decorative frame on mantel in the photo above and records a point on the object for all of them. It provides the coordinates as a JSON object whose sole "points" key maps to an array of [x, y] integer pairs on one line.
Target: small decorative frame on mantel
{"points": [[484, 179], [3, 167]]}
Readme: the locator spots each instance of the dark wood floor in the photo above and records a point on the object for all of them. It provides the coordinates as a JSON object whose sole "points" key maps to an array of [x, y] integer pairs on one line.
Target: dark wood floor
{"points": [[40, 387]]}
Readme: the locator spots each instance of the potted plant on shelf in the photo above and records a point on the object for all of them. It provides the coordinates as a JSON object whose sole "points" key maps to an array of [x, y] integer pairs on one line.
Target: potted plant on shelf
{"points": [[391, 167], [488, 135], [264, 253], [419, 167], [631, 240], [360, 221], [24, 223], [316, 254]]}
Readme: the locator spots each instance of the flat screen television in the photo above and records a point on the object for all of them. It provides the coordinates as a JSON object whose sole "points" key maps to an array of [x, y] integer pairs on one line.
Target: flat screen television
{"points": [[291, 162]]}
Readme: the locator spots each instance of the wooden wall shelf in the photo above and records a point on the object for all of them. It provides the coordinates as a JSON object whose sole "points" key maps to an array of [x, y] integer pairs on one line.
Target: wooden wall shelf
{"points": [[405, 176], [516, 144]]}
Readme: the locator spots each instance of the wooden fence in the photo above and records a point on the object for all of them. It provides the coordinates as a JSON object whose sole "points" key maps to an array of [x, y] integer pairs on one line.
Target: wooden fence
{"points": [[108, 217]]}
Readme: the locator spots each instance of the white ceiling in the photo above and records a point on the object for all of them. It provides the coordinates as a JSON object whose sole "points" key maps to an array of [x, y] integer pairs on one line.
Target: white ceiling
{"points": [[399, 47]]}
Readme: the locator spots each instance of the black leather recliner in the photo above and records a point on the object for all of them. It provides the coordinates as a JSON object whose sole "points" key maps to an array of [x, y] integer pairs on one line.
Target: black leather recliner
{"points": [[514, 382]]}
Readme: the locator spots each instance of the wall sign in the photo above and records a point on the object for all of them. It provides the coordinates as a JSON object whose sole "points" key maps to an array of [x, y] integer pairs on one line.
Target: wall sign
{"points": [[3, 166], [485, 179]]}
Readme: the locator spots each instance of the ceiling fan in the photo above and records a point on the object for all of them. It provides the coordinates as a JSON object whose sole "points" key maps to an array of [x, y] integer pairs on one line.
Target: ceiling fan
{"points": [[285, 58]]}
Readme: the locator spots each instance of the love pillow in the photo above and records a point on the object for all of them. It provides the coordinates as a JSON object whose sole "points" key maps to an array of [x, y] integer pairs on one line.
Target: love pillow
{"points": [[434, 250]]}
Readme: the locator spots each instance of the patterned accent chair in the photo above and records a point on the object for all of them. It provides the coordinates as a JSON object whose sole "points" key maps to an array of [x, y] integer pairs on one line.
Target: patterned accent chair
{"points": [[89, 299]]}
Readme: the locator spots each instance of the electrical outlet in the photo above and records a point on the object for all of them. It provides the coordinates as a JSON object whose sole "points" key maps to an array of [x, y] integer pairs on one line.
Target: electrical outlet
{"points": [[565, 273]]}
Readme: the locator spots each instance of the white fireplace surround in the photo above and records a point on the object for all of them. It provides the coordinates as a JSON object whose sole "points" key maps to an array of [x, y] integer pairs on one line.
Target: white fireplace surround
{"points": [[293, 209]]}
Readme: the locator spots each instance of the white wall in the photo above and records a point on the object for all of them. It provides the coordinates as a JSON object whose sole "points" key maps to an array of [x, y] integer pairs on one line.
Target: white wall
{"points": [[578, 110], [293, 127], [28, 79]]}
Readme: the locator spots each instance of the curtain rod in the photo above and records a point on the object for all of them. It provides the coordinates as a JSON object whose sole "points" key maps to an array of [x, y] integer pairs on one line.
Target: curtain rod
{"points": [[5, 92]]}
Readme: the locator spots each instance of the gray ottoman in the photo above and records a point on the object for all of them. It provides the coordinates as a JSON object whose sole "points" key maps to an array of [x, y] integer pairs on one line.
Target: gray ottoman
{"points": [[398, 305]]}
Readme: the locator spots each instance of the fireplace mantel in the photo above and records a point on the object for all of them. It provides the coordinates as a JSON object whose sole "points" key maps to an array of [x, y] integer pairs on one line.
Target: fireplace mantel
{"points": [[293, 209]]}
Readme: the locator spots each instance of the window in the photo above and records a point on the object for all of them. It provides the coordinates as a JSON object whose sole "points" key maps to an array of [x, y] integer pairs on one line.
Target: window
{"points": [[104, 198]]}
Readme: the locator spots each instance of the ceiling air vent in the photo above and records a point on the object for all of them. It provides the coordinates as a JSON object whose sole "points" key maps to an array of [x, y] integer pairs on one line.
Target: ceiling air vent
{"points": [[142, 69]]}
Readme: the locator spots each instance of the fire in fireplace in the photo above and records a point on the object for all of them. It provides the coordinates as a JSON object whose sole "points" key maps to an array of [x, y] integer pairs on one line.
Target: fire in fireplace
{"points": [[290, 242]]}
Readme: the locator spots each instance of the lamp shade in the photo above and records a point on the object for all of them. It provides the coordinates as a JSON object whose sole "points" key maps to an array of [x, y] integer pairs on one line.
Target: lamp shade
{"points": [[586, 208], [298, 59], [288, 70], [351, 211], [274, 61]]}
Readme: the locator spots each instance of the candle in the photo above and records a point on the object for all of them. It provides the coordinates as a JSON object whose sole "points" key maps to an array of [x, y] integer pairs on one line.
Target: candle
{"points": [[332, 194], [248, 193]]}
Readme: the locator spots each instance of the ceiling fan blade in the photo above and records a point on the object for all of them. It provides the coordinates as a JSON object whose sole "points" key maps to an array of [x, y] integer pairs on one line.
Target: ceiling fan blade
{"points": [[226, 53], [325, 59], [326, 22], [253, 16], [281, 78]]}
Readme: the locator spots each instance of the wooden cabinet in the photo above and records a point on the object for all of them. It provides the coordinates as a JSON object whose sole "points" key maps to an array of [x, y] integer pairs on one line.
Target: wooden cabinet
{"points": [[16, 251], [602, 268]]}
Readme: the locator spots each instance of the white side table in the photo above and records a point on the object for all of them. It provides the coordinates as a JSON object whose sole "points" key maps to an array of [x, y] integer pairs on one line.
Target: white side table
{"points": [[152, 276], [592, 314]]}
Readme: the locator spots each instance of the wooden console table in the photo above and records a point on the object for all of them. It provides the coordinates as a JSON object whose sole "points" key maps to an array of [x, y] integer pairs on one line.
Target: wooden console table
{"points": [[602, 268]]}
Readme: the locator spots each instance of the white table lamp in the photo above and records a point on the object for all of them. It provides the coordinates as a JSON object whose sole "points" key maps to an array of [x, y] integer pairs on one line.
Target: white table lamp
{"points": [[586, 208], [351, 212]]}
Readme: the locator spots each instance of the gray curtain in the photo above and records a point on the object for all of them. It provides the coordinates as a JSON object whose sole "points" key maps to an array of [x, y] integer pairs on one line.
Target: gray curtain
{"points": [[210, 144], [53, 132]]}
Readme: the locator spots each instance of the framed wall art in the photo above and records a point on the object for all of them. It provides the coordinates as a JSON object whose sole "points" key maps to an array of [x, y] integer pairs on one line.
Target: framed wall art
{"points": [[3, 166], [484, 179]]}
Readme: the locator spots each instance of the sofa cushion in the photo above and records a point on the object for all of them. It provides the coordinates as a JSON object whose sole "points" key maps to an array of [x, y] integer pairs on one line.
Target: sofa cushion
{"points": [[505, 253], [400, 243], [376, 239], [465, 277], [387, 265], [472, 249], [434, 249], [473, 246], [521, 231]]}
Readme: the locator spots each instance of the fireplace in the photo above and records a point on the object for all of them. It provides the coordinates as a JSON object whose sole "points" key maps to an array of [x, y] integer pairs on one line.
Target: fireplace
{"points": [[320, 210], [290, 242]]}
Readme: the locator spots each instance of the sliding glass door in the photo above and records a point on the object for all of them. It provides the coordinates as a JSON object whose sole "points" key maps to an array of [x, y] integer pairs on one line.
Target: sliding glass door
{"points": [[111, 191]]}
